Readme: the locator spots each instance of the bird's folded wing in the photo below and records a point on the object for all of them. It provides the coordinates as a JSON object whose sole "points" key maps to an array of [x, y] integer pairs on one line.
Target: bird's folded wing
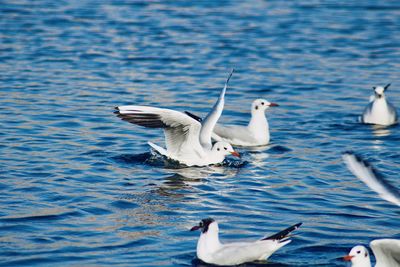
{"points": [[387, 252], [181, 131], [392, 111], [234, 133], [366, 173]]}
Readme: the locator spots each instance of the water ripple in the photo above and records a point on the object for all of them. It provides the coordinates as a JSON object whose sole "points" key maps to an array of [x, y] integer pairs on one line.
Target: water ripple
{"points": [[80, 187]]}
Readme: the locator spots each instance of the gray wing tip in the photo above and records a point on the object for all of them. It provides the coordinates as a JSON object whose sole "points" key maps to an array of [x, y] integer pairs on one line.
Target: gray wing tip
{"points": [[148, 120], [230, 75]]}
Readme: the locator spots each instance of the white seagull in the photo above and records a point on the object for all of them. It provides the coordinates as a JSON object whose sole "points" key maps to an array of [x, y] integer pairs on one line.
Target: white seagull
{"points": [[379, 110], [210, 250], [187, 140], [373, 179], [256, 133], [386, 251]]}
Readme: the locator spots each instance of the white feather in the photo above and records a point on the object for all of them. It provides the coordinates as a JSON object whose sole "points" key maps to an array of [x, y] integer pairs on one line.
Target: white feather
{"points": [[363, 171], [387, 252]]}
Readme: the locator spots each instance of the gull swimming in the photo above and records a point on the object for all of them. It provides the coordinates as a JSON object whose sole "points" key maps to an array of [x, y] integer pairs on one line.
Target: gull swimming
{"points": [[372, 178], [256, 133], [379, 110], [212, 251], [187, 140], [386, 251]]}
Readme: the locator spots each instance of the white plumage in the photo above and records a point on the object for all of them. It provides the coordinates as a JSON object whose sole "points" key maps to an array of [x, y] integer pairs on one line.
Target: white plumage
{"points": [[386, 251], [187, 140], [379, 110], [366, 173], [256, 133], [211, 250]]}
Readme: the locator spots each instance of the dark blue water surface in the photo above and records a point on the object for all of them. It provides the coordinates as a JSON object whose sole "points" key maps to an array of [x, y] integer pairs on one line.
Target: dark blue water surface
{"points": [[79, 186]]}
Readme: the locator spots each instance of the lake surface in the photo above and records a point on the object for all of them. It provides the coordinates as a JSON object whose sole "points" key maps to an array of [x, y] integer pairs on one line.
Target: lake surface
{"points": [[79, 187]]}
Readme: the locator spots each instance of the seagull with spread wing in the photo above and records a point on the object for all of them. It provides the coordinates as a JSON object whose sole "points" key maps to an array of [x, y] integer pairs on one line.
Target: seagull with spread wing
{"points": [[187, 140]]}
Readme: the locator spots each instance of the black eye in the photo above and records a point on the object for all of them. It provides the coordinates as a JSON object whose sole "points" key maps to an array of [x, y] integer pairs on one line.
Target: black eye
{"points": [[225, 148], [366, 254], [262, 103], [256, 107], [217, 149], [373, 87], [201, 224], [358, 252]]}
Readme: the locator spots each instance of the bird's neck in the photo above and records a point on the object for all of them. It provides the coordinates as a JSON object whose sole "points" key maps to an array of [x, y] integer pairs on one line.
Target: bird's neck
{"points": [[380, 105], [208, 243], [258, 125], [365, 263], [381, 100]]}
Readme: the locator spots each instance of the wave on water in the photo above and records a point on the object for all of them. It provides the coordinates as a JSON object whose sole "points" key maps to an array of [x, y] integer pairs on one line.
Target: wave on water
{"points": [[156, 160]]}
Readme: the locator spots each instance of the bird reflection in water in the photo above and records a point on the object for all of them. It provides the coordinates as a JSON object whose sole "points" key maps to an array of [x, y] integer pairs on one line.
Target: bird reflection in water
{"points": [[380, 130], [183, 180]]}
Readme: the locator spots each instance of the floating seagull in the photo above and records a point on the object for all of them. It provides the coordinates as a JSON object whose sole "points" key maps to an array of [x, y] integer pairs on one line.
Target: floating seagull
{"points": [[187, 140], [379, 110], [386, 251], [374, 180], [210, 250], [256, 133]]}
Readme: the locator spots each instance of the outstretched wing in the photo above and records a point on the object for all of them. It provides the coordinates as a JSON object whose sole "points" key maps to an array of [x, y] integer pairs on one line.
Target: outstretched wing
{"points": [[181, 131], [209, 122], [366, 173], [387, 252]]}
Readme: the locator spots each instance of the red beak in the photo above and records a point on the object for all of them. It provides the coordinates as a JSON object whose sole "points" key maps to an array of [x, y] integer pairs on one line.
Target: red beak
{"points": [[348, 258], [273, 105], [194, 228], [236, 154]]}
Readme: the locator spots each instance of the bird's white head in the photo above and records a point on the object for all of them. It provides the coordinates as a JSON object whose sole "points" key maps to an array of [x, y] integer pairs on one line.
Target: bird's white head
{"points": [[380, 90], [225, 149], [208, 225], [358, 256], [260, 105]]}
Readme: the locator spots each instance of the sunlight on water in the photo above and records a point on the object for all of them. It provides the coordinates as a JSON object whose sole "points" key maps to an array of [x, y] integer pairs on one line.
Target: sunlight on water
{"points": [[80, 187]]}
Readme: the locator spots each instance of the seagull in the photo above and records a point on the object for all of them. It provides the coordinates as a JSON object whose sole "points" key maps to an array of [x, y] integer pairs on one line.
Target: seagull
{"points": [[256, 133], [188, 141], [379, 110], [372, 178], [386, 251], [210, 250]]}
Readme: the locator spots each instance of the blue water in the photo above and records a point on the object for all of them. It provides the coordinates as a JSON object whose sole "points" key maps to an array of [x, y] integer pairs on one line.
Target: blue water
{"points": [[79, 186]]}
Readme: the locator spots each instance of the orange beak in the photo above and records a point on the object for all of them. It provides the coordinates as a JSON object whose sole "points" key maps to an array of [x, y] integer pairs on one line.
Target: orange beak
{"points": [[236, 154], [273, 105], [348, 258]]}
